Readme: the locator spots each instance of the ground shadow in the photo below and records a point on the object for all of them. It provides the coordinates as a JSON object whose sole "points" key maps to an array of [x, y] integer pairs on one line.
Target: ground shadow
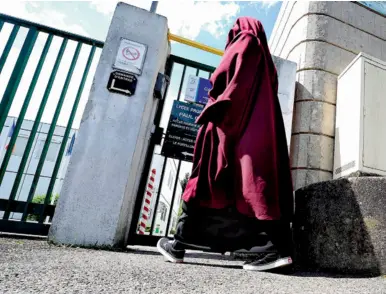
{"points": [[22, 237], [296, 271], [215, 265], [189, 254], [330, 274]]}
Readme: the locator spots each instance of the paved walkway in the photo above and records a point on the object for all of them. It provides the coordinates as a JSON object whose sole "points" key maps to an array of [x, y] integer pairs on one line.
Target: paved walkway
{"points": [[33, 266]]}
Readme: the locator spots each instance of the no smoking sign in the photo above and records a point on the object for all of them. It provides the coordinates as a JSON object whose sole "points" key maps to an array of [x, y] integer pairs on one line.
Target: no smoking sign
{"points": [[130, 56], [131, 53]]}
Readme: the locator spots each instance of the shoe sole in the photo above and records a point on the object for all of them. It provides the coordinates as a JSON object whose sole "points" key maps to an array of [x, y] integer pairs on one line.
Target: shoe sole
{"points": [[192, 246], [167, 255], [282, 262], [244, 256]]}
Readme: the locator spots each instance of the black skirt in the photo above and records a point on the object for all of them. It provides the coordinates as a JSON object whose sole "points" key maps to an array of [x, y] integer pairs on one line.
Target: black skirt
{"points": [[226, 230]]}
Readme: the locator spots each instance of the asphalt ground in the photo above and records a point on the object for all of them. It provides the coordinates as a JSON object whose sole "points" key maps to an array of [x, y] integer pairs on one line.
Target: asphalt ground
{"points": [[34, 266]]}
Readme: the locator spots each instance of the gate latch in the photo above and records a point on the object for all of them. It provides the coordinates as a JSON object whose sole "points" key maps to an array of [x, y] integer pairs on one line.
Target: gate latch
{"points": [[156, 135], [160, 86]]}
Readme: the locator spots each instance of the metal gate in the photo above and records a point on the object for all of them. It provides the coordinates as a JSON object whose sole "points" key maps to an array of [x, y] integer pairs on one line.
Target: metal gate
{"points": [[162, 182], [24, 170], [43, 71]]}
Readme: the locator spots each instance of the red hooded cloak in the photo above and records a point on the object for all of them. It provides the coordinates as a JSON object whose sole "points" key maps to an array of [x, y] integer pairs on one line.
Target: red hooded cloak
{"points": [[241, 154]]}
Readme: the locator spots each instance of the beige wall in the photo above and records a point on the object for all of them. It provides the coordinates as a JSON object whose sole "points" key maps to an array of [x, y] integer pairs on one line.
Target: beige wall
{"points": [[322, 38]]}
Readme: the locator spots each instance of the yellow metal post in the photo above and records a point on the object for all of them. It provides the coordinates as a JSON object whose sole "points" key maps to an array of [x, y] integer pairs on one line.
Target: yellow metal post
{"points": [[195, 44]]}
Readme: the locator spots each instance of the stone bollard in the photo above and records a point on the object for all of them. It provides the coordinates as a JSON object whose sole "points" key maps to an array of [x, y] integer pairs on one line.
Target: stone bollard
{"points": [[340, 226]]}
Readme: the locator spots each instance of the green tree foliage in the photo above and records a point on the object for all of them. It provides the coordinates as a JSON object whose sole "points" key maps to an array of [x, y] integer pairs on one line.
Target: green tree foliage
{"points": [[39, 199]]}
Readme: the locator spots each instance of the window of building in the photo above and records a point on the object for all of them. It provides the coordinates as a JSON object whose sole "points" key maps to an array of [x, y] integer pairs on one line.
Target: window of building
{"points": [[171, 180], [162, 210], [21, 143], [52, 152]]}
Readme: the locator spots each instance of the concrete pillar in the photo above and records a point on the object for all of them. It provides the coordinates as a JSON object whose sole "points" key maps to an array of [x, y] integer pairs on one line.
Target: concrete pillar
{"points": [[322, 38], [100, 188]]}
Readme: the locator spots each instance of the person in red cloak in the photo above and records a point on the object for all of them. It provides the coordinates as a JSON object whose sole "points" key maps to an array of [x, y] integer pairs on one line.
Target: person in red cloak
{"points": [[240, 196]]}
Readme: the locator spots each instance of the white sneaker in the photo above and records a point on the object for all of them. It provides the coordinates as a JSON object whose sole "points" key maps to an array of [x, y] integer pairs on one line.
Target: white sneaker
{"points": [[165, 247], [267, 262]]}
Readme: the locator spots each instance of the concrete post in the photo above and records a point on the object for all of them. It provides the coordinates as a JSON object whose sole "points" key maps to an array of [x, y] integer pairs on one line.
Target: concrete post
{"points": [[99, 191]]}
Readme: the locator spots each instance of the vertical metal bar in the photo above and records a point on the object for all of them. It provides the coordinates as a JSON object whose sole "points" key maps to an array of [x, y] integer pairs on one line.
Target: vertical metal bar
{"points": [[24, 108], [197, 72], [1, 25], [8, 46], [50, 134], [35, 126], [153, 7], [158, 194], [67, 131], [173, 197], [168, 72], [16, 75], [181, 83], [23, 181], [148, 161]]}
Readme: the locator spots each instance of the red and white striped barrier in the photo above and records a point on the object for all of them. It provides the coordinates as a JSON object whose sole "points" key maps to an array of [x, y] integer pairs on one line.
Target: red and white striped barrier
{"points": [[146, 205]]}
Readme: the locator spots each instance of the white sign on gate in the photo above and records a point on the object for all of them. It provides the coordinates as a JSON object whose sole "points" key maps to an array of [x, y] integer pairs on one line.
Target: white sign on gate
{"points": [[130, 56]]}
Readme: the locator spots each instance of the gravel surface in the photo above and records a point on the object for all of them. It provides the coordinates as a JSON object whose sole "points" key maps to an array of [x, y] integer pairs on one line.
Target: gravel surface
{"points": [[33, 266]]}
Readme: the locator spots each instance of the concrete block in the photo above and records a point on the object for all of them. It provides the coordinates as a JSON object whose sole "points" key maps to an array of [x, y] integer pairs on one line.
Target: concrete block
{"points": [[380, 26], [321, 55], [296, 35], [305, 177], [316, 85], [383, 54], [320, 7], [340, 226], [315, 117], [353, 14], [279, 42], [321, 27], [312, 151]]}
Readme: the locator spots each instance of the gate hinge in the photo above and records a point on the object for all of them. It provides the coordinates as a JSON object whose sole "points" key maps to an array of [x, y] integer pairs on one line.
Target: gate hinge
{"points": [[156, 135], [160, 86]]}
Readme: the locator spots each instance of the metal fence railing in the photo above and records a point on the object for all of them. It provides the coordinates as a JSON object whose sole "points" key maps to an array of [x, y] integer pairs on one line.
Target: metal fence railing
{"points": [[8, 203], [25, 36]]}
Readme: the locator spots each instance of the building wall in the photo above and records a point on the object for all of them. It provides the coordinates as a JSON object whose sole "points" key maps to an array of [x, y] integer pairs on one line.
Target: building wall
{"points": [[32, 162], [322, 38]]}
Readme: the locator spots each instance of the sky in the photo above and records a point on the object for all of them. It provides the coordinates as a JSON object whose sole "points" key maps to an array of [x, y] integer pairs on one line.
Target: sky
{"points": [[205, 22]]}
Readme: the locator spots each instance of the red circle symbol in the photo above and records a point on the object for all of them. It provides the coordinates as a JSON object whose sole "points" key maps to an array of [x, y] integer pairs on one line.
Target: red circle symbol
{"points": [[130, 53]]}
